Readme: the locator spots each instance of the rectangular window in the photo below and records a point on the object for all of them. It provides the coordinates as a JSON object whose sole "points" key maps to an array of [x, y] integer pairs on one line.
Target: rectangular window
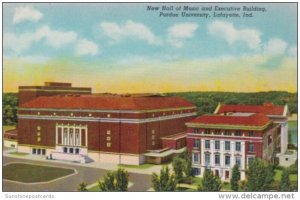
{"points": [[38, 139], [196, 157], [196, 130], [207, 144], [38, 128], [65, 150], [217, 173], [43, 151], [76, 151], [207, 159], [251, 147], [153, 131], [153, 137], [238, 133], [153, 143], [196, 143], [108, 138], [217, 145], [227, 160], [251, 133], [71, 150], [33, 151], [238, 146], [196, 171], [238, 161], [38, 151], [217, 132], [77, 138], [250, 159], [108, 132], [227, 174], [217, 159], [227, 133], [227, 145], [108, 144], [207, 132]]}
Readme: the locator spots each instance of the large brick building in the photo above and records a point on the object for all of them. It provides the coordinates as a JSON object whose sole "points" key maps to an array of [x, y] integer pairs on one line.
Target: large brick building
{"points": [[63, 122], [236, 134]]}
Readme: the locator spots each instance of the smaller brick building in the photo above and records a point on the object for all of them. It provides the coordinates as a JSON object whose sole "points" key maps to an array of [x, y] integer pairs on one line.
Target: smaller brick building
{"points": [[235, 135]]}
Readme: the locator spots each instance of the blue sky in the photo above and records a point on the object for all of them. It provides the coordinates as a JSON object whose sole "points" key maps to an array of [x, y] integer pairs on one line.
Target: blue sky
{"points": [[126, 41]]}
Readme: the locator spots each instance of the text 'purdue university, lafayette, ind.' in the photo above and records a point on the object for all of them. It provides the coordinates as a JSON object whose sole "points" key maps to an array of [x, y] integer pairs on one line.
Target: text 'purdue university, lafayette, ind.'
{"points": [[205, 11]]}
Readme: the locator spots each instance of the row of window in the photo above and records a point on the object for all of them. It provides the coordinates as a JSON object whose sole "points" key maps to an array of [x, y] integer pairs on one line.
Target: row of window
{"points": [[227, 132], [71, 150], [39, 151], [217, 162], [207, 158], [227, 145]]}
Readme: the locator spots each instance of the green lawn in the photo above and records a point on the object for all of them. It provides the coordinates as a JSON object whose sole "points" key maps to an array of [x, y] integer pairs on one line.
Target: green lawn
{"points": [[143, 166], [28, 173], [18, 153], [6, 128], [277, 177]]}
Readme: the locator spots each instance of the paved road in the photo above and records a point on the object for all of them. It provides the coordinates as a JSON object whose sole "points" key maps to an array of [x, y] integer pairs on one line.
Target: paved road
{"points": [[89, 175]]}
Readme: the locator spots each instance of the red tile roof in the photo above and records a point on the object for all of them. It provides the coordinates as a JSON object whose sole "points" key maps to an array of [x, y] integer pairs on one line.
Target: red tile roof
{"points": [[267, 109], [107, 102], [252, 120]]}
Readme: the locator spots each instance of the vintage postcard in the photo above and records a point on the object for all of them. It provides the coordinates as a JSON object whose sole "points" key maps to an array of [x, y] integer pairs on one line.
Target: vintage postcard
{"points": [[150, 97]]}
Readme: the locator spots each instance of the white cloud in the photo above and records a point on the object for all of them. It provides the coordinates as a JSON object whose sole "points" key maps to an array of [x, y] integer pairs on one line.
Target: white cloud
{"points": [[53, 38], [26, 13], [231, 34], [275, 46], [86, 47], [179, 32], [129, 30], [17, 43]]}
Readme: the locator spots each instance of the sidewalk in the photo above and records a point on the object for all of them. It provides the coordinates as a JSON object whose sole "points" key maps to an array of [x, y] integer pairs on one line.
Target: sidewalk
{"points": [[99, 165]]}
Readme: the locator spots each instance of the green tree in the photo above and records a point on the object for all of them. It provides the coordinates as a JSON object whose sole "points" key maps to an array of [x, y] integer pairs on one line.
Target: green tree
{"points": [[114, 181], [187, 163], [210, 182], [122, 178], [235, 178], [82, 187], [165, 181], [285, 184], [260, 176], [9, 108], [178, 167]]}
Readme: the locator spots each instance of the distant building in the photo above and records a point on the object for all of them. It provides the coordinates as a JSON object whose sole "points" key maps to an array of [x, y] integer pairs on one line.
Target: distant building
{"points": [[67, 123], [236, 134]]}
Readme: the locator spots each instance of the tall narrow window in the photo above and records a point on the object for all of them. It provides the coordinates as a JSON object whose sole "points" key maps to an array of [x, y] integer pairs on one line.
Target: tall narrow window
{"points": [[238, 161], [227, 145], [217, 145], [227, 160], [251, 147], [217, 159], [71, 135], [207, 159], [196, 143], [207, 144], [238, 146]]}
